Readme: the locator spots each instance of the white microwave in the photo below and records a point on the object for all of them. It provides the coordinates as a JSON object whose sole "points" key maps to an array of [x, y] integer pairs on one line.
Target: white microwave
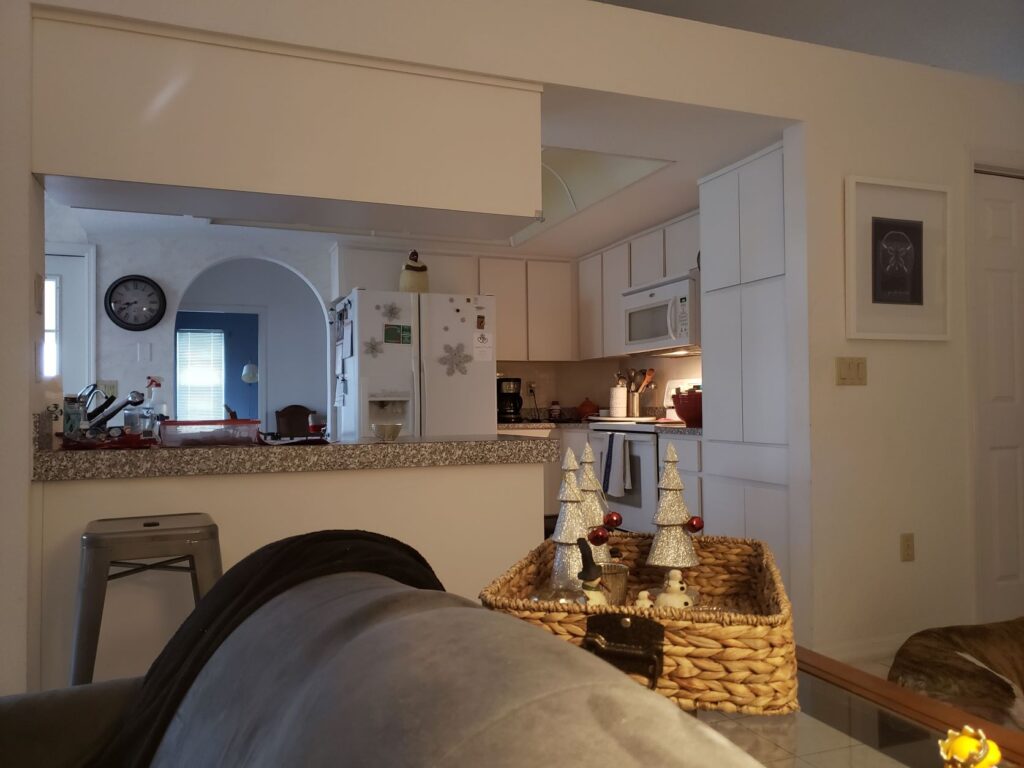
{"points": [[663, 315]]}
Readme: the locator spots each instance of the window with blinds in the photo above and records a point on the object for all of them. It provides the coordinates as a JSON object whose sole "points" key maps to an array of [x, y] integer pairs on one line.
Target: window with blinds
{"points": [[200, 375]]}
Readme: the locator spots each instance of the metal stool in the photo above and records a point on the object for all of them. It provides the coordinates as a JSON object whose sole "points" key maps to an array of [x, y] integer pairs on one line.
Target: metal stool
{"points": [[113, 543]]}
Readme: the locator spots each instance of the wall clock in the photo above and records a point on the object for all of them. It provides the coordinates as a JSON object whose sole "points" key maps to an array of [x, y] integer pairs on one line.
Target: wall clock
{"points": [[135, 302]]}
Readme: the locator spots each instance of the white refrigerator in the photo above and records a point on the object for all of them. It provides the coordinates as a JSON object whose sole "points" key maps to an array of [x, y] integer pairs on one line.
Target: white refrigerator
{"points": [[425, 361]]}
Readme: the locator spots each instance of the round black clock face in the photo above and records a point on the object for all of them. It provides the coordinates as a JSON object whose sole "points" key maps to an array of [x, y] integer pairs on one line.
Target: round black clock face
{"points": [[135, 303]]}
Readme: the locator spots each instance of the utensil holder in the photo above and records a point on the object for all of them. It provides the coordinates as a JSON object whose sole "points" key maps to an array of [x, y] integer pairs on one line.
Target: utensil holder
{"points": [[632, 404]]}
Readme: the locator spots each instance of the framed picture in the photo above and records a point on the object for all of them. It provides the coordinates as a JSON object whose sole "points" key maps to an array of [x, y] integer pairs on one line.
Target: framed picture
{"points": [[897, 260]]}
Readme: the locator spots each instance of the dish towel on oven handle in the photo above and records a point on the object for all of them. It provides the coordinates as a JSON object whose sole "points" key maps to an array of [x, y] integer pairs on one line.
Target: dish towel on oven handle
{"points": [[616, 480]]}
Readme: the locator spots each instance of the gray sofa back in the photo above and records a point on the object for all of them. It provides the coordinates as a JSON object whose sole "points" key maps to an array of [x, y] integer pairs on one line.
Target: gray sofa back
{"points": [[355, 669]]}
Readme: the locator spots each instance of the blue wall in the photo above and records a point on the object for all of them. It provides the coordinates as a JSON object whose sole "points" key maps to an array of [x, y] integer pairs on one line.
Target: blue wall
{"points": [[241, 346]]}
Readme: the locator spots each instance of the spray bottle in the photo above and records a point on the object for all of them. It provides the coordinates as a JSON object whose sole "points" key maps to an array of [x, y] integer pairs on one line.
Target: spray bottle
{"points": [[155, 407]]}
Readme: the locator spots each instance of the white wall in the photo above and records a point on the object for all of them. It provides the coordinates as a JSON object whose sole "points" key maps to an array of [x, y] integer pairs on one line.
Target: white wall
{"points": [[174, 257], [887, 458], [293, 327]]}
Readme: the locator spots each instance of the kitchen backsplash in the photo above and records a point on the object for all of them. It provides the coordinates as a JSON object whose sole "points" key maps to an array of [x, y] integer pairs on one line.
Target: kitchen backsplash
{"points": [[569, 383]]}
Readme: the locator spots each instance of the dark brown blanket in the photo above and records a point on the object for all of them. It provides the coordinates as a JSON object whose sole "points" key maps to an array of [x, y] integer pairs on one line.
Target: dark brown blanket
{"points": [[261, 576]]}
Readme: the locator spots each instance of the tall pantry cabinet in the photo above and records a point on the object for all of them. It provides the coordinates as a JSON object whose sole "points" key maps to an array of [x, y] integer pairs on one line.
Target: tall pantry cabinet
{"points": [[744, 346]]}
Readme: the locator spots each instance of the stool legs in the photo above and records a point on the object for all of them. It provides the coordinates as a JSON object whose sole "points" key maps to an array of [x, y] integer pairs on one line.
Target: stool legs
{"points": [[92, 593], [206, 566]]}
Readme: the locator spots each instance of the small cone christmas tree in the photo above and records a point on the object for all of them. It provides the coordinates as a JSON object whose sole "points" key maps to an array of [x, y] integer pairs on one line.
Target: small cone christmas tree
{"points": [[595, 506], [571, 525], [673, 543]]}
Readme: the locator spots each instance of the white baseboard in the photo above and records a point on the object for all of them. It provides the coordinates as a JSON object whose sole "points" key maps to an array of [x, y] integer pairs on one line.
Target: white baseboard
{"points": [[865, 649]]}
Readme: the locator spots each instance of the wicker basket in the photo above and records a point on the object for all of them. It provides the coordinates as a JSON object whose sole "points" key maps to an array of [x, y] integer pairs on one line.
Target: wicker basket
{"points": [[734, 651]]}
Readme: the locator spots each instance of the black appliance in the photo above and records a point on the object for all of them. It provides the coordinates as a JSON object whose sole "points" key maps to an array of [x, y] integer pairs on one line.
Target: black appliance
{"points": [[510, 402]]}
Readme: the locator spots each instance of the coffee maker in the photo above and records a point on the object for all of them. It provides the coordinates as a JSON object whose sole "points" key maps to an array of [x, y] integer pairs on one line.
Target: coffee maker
{"points": [[510, 402]]}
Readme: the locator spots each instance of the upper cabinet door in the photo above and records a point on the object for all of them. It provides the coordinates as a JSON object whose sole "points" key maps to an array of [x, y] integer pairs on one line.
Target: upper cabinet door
{"points": [[551, 314], [615, 275], [452, 274], [505, 279], [591, 328], [721, 363], [682, 244], [762, 222], [647, 258], [720, 231]]}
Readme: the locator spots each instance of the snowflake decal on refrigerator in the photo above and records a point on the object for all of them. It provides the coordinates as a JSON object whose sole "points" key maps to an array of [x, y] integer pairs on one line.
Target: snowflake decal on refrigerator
{"points": [[391, 312], [373, 347], [455, 359]]}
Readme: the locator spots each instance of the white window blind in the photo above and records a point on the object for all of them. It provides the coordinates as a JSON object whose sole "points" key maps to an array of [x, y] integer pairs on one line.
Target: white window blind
{"points": [[200, 375]]}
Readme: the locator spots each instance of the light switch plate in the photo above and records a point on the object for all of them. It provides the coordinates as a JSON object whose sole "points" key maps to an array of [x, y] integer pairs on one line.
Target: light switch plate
{"points": [[851, 371]]}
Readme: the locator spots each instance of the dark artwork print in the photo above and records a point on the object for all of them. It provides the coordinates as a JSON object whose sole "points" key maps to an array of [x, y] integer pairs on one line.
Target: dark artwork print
{"points": [[897, 255]]}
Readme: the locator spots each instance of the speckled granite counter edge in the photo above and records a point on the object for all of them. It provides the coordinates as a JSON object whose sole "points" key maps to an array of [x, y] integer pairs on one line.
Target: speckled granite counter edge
{"points": [[242, 460], [671, 429], [543, 425]]}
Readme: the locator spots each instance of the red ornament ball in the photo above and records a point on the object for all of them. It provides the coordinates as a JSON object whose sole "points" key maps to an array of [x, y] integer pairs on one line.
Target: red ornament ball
{"points": [[695, 524], [598, 536], [612, 520]]}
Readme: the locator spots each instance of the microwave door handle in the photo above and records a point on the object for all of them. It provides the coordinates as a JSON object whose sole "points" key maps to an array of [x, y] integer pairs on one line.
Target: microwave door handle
{"points": [[671, 320]]}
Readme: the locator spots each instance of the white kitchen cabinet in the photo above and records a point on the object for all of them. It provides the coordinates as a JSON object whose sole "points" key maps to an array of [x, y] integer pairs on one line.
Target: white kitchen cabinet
{"points": [[505, 279], [720, 231], [748, 510], [615, 276], [723, 507], [591, 328], [647, 258], [682, 244], [721, 363], [762, 221], [452, 274], [551, 316], [764, 381], [692, 493], [766, 514]]}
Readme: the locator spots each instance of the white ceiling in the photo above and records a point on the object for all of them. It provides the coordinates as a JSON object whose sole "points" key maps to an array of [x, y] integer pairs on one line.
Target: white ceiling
{"points": [[696, 141], [982, 37]]}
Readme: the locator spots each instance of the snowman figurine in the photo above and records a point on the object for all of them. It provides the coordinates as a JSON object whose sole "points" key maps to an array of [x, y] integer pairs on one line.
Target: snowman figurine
{"points": [[674, 595], [590, 576], [643, 600]]}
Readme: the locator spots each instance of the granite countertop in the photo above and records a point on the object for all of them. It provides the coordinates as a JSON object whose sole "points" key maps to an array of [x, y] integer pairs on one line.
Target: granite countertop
{"points": [[543, 425], [667, 428], [233, 460]]}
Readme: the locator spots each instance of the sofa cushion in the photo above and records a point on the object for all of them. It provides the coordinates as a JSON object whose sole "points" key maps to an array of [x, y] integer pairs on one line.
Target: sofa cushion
{"points": [[356, 669]]}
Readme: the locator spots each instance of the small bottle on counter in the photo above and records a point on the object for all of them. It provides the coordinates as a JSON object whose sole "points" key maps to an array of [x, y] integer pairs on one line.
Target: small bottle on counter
{"points": [[555, 411]]}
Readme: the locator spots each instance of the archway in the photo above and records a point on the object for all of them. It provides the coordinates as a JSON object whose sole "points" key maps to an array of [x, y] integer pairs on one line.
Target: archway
{"points": [[250, 310]]}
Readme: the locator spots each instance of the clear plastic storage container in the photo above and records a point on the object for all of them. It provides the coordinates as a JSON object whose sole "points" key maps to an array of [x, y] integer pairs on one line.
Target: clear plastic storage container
{"points": [[185, 434]]}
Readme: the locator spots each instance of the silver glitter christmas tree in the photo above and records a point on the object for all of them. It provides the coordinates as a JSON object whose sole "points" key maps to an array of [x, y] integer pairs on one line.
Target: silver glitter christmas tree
{"points": [[595, 506], [673, 543], [571, 525]]}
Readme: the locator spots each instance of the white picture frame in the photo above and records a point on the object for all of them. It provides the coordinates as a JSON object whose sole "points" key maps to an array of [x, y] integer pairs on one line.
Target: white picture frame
{"points": [[918, 308]]}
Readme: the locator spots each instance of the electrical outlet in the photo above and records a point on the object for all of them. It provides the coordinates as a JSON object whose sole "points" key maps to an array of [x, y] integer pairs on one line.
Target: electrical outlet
{"points": [[906, 547], [531, 388]]}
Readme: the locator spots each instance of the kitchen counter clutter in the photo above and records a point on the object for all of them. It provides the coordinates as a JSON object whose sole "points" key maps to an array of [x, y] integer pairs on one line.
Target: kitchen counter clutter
{"points": [[234, 460]]}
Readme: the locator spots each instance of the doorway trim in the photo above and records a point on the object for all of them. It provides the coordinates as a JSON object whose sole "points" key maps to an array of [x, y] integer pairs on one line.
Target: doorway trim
{"points": [[88, 251]]}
